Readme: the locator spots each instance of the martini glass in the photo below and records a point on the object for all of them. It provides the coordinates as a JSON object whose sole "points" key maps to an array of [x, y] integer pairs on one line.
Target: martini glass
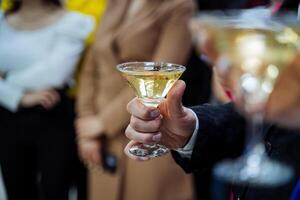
{"points": [[252, 51], [151, 82]]}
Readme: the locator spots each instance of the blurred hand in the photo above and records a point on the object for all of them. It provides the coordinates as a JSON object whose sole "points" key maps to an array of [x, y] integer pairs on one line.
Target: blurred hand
{"points": [[171, 124], [283, 106], [89, 129], [89, 151], [48, 99]]}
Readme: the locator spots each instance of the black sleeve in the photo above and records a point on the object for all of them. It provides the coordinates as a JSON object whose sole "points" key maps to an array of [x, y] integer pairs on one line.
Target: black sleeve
{"points": [[220, 135], [289, 5]]}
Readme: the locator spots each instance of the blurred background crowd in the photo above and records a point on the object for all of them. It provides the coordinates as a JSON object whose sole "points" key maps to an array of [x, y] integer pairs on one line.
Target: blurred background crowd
{"points": [[63, 103]]}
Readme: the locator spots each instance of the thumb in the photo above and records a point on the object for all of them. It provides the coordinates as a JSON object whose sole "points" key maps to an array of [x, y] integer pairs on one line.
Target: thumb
{"points": [[174, 99]]}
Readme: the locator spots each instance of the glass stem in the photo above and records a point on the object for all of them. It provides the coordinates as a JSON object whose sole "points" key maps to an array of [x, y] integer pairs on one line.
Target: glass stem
{"points": [[254, 137]]}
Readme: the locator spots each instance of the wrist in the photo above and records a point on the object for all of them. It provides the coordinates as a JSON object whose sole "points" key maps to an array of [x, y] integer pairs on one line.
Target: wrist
{"points": [[187, 149], [185, 129], [89, 136], [194, 127]]}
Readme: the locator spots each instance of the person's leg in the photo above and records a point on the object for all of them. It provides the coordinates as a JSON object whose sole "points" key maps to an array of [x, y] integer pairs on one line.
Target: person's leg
{"points": [[55, 172], [79, 179], [57, 151], [17, 160]]}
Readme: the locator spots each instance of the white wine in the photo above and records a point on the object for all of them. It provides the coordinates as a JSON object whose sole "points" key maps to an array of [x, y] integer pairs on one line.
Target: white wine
{"points": [[152, 86], [257, 58], [253, 50], [151, 82]]}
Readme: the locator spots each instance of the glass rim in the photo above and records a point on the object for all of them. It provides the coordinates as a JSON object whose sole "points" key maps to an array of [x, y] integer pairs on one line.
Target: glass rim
{"points": [[227, 13], [243, 18], [149, 63]]}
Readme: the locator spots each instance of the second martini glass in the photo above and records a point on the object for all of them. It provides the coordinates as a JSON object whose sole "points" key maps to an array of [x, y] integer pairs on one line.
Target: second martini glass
{"points": [[252, 52], [151, 82]]}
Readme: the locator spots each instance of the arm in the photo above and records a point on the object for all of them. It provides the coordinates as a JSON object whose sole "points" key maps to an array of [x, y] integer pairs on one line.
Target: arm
{"points": [[220, 135], [175, 40], [85, 105], [10, 96]]}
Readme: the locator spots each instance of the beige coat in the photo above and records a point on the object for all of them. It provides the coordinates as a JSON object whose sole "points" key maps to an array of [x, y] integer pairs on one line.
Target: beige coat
{"points": [[157, 32]]}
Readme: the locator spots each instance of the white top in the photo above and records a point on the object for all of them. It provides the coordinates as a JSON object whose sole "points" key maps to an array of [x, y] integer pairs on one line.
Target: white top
{"points": [[41, 59]]}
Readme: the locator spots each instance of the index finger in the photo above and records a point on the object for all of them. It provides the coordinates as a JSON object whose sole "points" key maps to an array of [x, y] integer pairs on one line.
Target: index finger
{"points": [[136, 108]]}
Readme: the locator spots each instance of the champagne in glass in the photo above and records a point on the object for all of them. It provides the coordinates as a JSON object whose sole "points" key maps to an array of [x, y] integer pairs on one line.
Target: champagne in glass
{"points": [[151, 82]]}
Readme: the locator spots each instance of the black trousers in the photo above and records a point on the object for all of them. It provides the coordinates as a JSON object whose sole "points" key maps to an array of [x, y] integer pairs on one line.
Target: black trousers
{"points": [[38, 152]]}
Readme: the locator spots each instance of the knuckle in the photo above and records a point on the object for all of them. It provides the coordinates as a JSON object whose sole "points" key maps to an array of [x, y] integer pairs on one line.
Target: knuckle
{"points": [[129, 106], [128, 132], [146, 113], [135, 125], [156, 124]]}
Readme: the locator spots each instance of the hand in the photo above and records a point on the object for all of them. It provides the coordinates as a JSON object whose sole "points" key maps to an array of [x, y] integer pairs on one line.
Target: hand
{"points": [[283, 106], [171, 125], [89, 127], [89, 151], [48, 99]]}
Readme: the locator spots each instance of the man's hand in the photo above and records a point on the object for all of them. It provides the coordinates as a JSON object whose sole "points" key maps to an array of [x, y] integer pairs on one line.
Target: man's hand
{"points": [[171, 124], [48, 99]]}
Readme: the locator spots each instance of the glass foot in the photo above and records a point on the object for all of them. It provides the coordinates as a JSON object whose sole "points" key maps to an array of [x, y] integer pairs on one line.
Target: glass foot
{"points": [[249, 170], [149, 150]]}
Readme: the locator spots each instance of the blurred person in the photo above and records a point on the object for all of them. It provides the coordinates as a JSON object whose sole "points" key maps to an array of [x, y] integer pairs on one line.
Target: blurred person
{"points": [[94, 8], [40, 45], [131, 30]]}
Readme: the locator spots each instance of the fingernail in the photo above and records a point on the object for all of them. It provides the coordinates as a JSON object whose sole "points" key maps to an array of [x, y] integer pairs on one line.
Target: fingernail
{"points": [[157, 137], [154, 113]]}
